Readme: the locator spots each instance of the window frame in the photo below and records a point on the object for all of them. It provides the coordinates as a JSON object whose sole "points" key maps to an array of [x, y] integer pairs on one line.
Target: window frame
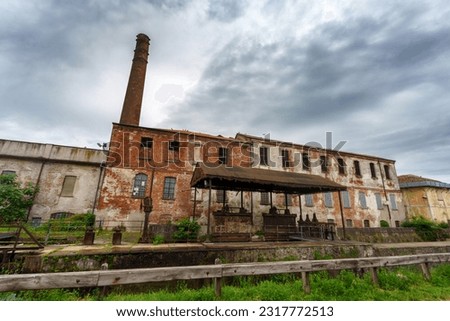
{"points": [[357, 167], [139, 189], [328, 199], [66, 185], [373, 171], [346, 199], [324, 163], [362, 200], [393, 202], [223, 155], [387, 172], [309, 200], [174, 145], [264, 156], [379, 201], [341, 166], [146, 142], [264, 200], [306, 163], [169, 188]]}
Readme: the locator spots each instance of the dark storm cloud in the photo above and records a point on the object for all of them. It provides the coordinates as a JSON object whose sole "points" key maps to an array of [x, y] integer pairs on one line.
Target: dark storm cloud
{"points": [[225, 11], [373, 73], [328, 80]]}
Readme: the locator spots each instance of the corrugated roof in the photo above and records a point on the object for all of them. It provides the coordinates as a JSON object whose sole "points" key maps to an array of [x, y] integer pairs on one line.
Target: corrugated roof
{"points": [[256, 179], [408, 181]]}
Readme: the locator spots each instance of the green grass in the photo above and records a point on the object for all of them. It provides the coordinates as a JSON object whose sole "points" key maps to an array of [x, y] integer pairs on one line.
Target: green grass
{"points": [[402, 284]]}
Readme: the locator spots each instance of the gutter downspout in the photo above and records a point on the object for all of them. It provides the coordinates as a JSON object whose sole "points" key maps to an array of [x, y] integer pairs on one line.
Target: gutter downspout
{"points": [[385, 193], [342, 215], [38, 182]]}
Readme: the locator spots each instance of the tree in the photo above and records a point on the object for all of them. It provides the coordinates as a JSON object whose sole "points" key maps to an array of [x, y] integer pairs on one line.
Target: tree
{"points": [[14, 199]]}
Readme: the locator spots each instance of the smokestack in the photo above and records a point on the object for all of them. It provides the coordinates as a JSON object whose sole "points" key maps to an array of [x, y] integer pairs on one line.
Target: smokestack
{"points": [[131, 110]]}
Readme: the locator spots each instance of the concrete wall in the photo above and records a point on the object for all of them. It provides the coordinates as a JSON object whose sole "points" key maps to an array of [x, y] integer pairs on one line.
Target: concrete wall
{"points": [[46, 166]]}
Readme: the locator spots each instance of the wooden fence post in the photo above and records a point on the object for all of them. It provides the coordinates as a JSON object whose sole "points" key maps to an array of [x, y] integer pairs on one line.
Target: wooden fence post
{"points": [[218, 281], [425, 271], [306, 282], [374, 275]]}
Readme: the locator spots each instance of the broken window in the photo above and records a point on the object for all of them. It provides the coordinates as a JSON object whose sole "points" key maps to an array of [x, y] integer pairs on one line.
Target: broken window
{"points": [[146, 142], [285, 158], [264, 156], [366, 223], [341, 166], [174, 145], [306, 165], [223, 155], [169, 188], [68, 186], [324, 164], [357, 168], [140, 182], [387, 172], [146, 148], [372, 170]]}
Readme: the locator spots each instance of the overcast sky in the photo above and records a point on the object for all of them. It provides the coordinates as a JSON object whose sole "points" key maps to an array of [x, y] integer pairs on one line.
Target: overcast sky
{"points": [[375, 74]]}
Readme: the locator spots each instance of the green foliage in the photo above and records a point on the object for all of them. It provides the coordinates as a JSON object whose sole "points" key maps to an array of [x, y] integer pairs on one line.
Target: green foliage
{"points": [[14, 199], [158, 239], [319, 256], [443, 225], [89, 219], [186, 230], [426, 229], [384, 223], [77, 222]]}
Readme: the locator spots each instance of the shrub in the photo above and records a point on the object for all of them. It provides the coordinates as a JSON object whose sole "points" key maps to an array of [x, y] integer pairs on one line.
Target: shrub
{"points": [[384, 223], [186, 230], [426, 229], [158, 239], [77, 222]]}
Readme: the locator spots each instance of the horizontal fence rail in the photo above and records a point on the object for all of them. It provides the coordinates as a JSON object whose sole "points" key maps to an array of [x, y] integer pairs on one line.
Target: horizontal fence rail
{"points": [[103, 278]]}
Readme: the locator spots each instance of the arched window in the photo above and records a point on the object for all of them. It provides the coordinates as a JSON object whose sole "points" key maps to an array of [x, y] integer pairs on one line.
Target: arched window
{"points": [[140, 182]]}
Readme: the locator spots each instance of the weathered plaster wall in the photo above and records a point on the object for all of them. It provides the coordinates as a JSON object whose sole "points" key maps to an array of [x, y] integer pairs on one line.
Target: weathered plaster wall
{"points": [[429, 202], [364, 182], [46, 166]]}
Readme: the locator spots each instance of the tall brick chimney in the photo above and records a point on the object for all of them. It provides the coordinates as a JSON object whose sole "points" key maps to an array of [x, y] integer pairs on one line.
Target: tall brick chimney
{"points": [[131, 110]]}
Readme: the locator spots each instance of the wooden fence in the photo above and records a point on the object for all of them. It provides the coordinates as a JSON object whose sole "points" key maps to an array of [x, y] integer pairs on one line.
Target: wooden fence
{"points": [[217, 271]]}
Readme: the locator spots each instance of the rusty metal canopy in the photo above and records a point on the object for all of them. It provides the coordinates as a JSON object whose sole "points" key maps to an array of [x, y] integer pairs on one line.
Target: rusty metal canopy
{"points": [[262, 180]]}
